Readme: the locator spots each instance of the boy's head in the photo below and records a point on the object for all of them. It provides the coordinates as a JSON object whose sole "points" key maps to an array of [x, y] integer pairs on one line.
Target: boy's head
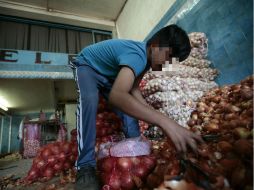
{"points": [[170, 41]]}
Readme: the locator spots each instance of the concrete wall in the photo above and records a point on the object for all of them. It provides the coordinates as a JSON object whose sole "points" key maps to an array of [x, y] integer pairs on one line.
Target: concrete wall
{"points": [[139, 17], [229, 28], [9, 130], [70, 117]]}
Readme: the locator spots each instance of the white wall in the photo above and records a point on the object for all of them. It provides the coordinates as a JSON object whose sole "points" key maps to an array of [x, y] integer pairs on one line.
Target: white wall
{"points": [[139, 17], [70, 117]]}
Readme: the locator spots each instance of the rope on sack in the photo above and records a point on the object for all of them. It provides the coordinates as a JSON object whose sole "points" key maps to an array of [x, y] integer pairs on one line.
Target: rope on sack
{"points": [[36, 75]]}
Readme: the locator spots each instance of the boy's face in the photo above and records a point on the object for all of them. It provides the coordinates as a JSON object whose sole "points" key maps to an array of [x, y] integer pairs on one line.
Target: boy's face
{"points": [[159, 57]]}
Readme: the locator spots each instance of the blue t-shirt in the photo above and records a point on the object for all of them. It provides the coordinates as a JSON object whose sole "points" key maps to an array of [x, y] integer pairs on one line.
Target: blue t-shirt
{"points": [[108, 56]]}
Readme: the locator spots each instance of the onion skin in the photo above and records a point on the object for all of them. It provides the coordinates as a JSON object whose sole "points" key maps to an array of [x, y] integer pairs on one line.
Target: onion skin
{"points": [[246, 93], [242, 133], [211, 127], [204, 151]]}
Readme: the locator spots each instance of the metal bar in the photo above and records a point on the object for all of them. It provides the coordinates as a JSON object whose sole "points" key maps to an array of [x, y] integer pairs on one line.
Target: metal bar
{"points": [[10, 131], [93, 37], [50, 24]]}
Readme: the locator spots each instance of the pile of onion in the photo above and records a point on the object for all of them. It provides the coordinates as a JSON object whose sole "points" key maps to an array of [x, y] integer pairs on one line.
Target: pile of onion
{"points": [[174, 96], [108, 125], [228, 159], [194, 62], [167, 164], [199, 44], [108, 128], [228, 112], [51, 160], [125, 173]]}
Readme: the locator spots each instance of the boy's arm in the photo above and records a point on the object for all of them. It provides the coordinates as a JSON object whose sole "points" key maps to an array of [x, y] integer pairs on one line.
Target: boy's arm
{"points": [[120, 97], [135, 91]]}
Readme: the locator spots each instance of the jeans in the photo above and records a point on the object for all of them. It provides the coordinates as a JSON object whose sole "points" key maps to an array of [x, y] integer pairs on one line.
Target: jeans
{"points": [[89, 84]]}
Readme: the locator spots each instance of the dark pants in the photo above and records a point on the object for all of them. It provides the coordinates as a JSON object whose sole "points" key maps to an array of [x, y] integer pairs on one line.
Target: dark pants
{"points": [[90, 83]]}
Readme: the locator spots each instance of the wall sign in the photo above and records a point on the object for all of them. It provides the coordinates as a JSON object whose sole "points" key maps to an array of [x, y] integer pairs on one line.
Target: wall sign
{"points": [[35, 64], [24, 57]]}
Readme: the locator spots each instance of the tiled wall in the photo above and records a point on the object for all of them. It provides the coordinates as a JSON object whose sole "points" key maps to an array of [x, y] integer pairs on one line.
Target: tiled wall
{"points": [[228, 25]]}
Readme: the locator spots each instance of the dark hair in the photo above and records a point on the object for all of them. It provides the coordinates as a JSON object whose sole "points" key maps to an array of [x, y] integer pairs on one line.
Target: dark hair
{"points": [[174, 37]]}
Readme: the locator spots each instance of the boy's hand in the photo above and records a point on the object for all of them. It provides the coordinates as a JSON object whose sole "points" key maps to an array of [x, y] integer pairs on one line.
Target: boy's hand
{"points": [[181, 137]]}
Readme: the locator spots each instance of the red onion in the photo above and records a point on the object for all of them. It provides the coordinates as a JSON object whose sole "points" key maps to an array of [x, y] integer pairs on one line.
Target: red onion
{"points": [[32, 174], [115, 182], [62, 157], [46, 153], [66, 165], [74, 148], [66, 148], [140, 171], [41, 164], [149, 161], [107, 164], [126, 181], [51, 160], [55, 149], [36, 160], [124, 164], [48, 173], [58, 167]]}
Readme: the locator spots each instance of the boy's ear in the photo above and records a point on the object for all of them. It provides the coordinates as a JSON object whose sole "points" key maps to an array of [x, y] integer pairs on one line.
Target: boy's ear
{"points": [[154, 45]]}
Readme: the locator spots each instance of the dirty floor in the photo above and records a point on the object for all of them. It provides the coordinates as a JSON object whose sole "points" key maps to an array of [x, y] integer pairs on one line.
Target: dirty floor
{"points": [[15, 169]]}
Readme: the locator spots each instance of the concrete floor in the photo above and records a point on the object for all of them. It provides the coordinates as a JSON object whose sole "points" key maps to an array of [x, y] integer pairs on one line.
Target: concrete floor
{"points": [[17, 167], [20, 168]]}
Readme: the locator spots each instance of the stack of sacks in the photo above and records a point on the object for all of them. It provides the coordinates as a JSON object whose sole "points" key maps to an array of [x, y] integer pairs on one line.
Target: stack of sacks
{"points": [[176, 92], [108, 125], [126, 164]]}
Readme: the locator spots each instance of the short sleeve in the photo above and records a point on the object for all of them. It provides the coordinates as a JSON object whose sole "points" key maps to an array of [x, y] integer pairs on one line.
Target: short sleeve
{"points": [[133, 61]]}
